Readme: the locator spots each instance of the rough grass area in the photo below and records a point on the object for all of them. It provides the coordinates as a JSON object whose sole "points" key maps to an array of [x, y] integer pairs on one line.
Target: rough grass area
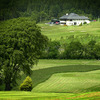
{"points": [[67, 33], [16, 95]]}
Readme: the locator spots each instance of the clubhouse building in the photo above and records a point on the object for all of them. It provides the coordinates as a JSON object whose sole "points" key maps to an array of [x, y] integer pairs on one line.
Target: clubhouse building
{"points": [[73, 19]]}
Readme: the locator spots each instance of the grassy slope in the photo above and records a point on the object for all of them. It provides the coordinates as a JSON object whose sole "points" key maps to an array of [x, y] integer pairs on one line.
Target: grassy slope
{"points": [[71, 82], [13, 95], [65, 73], [66, 76], [83, 33], [46, 63], [84, 73]]}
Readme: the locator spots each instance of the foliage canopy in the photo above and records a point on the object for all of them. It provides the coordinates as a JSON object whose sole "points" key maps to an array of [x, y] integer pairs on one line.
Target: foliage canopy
{"points": [[21, 43], [46, 9]]}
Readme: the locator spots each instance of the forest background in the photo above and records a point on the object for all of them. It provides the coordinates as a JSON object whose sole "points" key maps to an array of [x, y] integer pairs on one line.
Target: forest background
{"points": [[41, 10]]}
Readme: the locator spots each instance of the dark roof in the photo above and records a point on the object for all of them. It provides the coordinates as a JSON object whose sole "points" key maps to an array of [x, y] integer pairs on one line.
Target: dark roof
{"points": [[73, 16]]}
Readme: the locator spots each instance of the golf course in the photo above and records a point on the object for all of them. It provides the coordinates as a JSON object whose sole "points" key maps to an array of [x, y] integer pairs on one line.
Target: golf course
{"points": [[63, 79]]}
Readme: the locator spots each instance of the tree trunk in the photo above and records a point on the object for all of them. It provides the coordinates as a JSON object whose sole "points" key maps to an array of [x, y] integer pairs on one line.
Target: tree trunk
{"points": [[8, 83], [8, 87]]}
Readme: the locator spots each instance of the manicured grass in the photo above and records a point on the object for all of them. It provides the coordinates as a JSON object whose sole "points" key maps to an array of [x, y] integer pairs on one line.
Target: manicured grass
{"points": [[61, 80], [17, 95], [46, 63], [65, 76], [71, 82], [67, 33]]}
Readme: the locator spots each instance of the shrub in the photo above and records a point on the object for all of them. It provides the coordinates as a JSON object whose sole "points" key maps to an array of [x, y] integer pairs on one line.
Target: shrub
{"points": [[80, 24], [26, 85], [85, 23], [74, 50], [65, 25], [51, 51]]}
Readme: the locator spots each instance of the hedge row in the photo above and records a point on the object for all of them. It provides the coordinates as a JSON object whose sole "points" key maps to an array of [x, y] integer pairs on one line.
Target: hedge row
{"points": [[73, 50]]}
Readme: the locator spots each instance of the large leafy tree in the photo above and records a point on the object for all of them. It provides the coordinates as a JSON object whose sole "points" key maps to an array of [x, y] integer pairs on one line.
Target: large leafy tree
{"points": [[21, 43], [74, 50]]}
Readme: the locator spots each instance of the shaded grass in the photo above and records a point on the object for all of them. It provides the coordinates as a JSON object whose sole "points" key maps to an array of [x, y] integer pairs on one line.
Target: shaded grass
{"points": [[46, 63]]}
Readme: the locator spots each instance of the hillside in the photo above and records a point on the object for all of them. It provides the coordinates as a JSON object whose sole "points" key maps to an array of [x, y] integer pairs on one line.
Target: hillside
{"points": [[61, 80], [66, 65], [72, 76], [67, 33]]}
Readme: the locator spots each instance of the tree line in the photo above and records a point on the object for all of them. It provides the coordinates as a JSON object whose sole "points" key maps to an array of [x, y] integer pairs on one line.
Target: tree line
{"points": [[72, 50], [41, 10]]}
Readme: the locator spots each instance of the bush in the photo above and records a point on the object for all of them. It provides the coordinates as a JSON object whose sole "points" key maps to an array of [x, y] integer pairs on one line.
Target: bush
{"points": [[51, 51], [74, 50], [81, 24], [85, 23], [26, 85]]}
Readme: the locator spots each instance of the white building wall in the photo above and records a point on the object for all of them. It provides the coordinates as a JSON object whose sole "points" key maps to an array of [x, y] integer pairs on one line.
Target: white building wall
{"points": [[74, 22], [62, 22]]}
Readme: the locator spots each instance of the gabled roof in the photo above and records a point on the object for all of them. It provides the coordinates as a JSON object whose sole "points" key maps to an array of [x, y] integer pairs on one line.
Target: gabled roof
{"points": [[73, 16]]}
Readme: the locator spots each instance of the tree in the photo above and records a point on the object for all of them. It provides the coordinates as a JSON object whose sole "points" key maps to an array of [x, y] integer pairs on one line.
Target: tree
{"points": [[43, 16], [53, 8], [52, 50], [21, 43], [26, 85], [74, 50], [96, 51]]}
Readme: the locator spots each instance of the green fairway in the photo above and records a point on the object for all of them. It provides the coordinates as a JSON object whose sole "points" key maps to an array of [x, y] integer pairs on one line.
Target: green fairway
{"points": [[46, 63], [17, 95], [67, 33], [61, 80], [65, 76], [71, 82]]}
